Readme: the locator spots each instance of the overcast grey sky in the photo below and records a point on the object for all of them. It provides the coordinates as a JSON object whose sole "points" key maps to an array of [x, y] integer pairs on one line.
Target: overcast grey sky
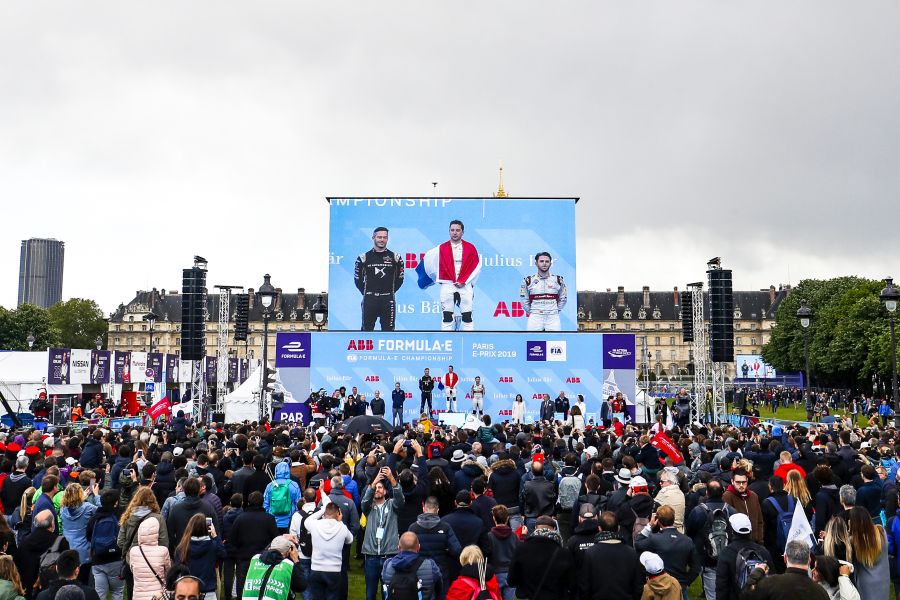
{"points": [[767, 133]]}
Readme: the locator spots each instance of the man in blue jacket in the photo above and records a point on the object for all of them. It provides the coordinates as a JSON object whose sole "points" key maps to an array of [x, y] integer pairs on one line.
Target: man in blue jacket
{"points": [[282, 495], [397, 398]]}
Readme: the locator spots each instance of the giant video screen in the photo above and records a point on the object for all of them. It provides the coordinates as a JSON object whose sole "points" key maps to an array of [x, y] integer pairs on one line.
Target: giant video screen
{"points": [[451, 264]]}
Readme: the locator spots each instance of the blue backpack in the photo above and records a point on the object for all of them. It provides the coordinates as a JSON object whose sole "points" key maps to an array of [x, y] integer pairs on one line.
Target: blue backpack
{"points": [[103, 541], [785, 517]]}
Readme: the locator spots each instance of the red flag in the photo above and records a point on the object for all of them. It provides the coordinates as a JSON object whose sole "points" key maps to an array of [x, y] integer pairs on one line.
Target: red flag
{"points": [[160, 408], [663, 442]]}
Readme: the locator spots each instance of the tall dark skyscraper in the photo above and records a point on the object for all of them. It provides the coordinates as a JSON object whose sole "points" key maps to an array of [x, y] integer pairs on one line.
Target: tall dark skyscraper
{"points": [[41, 272]]}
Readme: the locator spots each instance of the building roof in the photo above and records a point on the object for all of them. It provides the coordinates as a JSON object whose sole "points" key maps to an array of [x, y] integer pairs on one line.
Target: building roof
{"points": [[666, 306]]}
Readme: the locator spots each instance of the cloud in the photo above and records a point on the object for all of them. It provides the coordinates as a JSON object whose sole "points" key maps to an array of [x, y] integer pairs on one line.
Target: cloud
{"points": [[141, 135]]}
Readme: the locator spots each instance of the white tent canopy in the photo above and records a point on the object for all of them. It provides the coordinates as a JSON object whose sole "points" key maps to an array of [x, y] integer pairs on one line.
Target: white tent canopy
{"points": [[241, 405], [23, 375]]}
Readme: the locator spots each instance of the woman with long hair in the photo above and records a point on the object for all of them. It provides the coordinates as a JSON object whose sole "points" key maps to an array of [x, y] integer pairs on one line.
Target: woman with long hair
{"points": [[868, 547], [75, 514], [837, 539], [439, 486], [10, 582], [20, 520], [795, 486], [476, 574], [142, 507], [835, 578], [576, 418], [199, 549], [7, 538]]}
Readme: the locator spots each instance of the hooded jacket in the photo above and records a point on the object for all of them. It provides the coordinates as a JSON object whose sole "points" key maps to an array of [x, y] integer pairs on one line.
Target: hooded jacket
{"points": [[385, 517], [75, 522], [329, 536], [165, 481], [202, 554], [283, 477], [92, 455], [504, 542], [11, 493], [462, 479], [661, 587], [428, 574], [437, 540], [157, 563], [505, 481]]}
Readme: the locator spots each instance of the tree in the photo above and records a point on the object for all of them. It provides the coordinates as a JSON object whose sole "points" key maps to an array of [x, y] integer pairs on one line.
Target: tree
{"points": [[847, 337], [16, 325], [79, 322]]}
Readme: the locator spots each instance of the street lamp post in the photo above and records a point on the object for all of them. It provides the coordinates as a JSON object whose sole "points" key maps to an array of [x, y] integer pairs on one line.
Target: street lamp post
{"points": [[266, 296], [890, 295], [320, 312], [804, 314], [151, 318], [99, 342], [30, 341]]}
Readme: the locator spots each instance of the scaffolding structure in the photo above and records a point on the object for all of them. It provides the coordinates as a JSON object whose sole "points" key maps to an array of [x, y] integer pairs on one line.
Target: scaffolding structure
{"points": [[700, 350], [222, 349]]}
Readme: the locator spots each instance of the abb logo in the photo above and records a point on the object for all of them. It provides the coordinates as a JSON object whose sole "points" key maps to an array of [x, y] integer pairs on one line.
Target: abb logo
{"points": [[505, 413], [537, 396], [505, 380], [372, 378], [412, 259], [360, 345], [513, 310], [409, 394], [573, 379]]}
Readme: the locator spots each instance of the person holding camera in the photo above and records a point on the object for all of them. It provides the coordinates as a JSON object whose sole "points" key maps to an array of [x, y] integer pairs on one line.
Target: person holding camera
{"points": [[279, 564], [381, 538]]}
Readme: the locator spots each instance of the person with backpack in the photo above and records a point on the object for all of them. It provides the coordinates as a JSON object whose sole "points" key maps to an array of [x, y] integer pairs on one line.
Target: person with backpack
{"points": [[39, 550], [739, 558], [408, 575], [569, 485], [794, 583], [305, 508], [707, 524], [281, 496], [778, 513], [477, 580], [745, 501], [634, 514], [678, 552], [106, 556]]}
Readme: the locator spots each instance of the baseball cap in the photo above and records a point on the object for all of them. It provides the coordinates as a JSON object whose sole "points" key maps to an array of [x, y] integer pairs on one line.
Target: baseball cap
{"points": [[637, 482], [653, 564], [587, 511], [177, 451], [591, 451], [740, 523], [281, 544]]}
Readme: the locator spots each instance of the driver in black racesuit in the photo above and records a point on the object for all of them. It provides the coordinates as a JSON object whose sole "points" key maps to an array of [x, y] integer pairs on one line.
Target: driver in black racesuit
{"points": [[378, 274]]}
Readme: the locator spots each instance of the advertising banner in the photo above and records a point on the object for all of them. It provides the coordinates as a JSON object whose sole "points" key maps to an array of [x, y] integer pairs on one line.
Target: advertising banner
{"points": [[232, 370], [752, 366], [171, 368], [508, 364], [155, 362], [210, 368], [100, 366], [58, 366], [184, 371], [292, 350], [123, 367], [138, 367], [79, 366], [294, 412], [421, 281]]}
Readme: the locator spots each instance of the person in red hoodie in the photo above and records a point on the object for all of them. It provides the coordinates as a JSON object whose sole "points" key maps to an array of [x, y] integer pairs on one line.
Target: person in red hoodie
{"points": [[786, 465], [475, 575]]}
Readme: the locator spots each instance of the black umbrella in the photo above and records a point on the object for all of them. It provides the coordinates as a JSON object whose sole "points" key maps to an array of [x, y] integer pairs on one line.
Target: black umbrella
{"points": [[365, 424]]}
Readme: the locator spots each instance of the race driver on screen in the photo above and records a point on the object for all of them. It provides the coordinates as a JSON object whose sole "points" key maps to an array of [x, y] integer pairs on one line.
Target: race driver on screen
{"points": [[378, 275], [543, 296], [458, 268]]}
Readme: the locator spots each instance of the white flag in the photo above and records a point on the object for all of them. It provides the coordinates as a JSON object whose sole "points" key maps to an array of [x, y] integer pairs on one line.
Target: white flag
{"points": [[800, 528], [670, 420]]}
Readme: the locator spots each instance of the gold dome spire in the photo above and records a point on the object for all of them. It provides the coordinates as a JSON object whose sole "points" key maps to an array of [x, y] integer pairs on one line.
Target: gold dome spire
{"points": [[501, 193]]}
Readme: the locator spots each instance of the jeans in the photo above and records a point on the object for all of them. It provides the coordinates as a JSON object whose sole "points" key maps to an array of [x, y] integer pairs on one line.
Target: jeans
{"points": [[323, 585], [506, 592], [372, 568], [305, 567], [397, 419], [106, 578], [708, 575]]}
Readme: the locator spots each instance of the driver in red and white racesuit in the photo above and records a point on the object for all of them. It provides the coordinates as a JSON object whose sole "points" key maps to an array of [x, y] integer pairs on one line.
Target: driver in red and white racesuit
{"points": [[543, 296]]}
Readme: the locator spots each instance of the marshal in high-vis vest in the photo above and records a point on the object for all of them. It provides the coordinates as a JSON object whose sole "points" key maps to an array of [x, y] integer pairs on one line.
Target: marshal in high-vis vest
{"points": [[275, 573]]}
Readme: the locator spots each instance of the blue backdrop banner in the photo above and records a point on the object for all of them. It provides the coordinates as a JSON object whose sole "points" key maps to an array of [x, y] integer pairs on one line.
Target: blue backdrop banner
{"points": [[485, 277], [507, 363]]}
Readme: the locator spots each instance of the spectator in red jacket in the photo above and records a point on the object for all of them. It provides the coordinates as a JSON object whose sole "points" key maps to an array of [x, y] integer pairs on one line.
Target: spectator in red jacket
{"points": [[476, 574]]}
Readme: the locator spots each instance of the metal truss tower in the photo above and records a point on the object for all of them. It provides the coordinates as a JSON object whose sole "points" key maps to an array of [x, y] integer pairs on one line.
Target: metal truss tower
{"points": [[700, 350], [222, 349]]}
